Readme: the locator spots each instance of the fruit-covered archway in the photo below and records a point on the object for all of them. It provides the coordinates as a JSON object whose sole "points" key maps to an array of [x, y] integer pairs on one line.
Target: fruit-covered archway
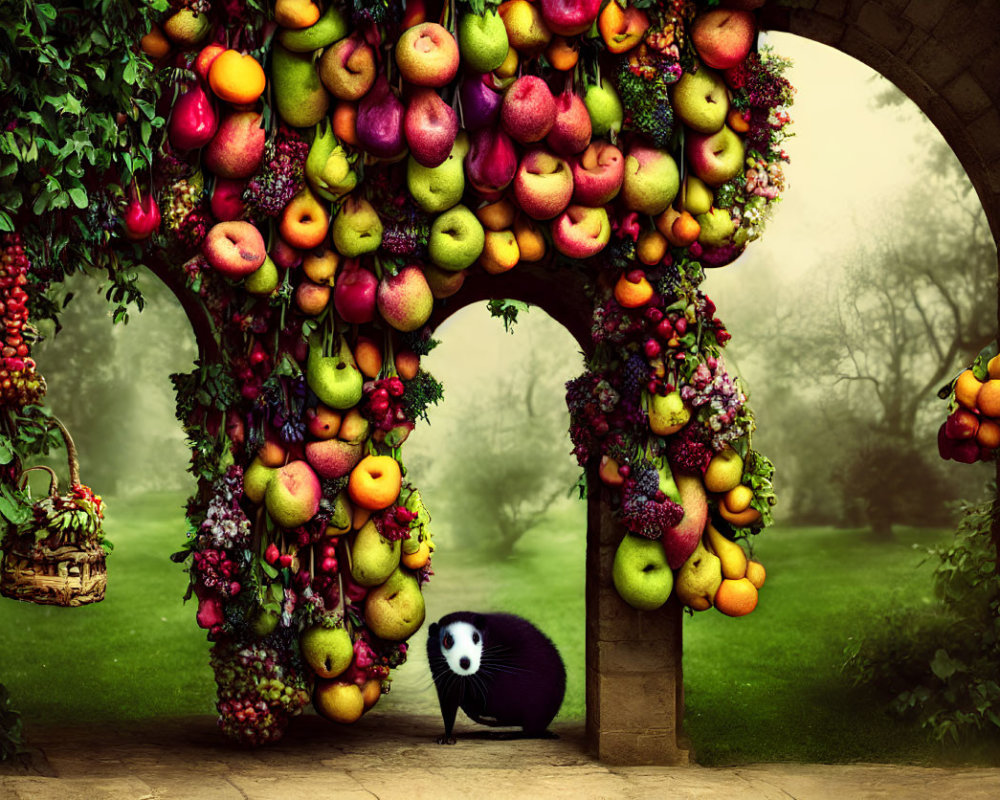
{"points": [[319, 183]]}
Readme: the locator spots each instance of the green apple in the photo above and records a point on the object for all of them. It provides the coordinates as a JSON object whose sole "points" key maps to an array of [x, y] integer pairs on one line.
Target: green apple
{"points": [[456, 239], [335, 380], [605, 109], [482, 41], [357, 228], [651, 180], [701, 100], [717, 227], [327, 651], [293, 495], [699, 578], [373, 557], [641, 574], [395, 609], [255, 480]]}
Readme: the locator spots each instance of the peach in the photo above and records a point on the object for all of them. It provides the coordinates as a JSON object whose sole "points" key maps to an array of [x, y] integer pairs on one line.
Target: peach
{"points": [[609, 472], [500, 252], [322, 422], [407, 364], [598, 174], [375, 482], [543, 185], [497, 216], [622, 29], [237, 149], [368, 356], [723, 37], [312, 298], [967, 388], [203, 62], [562, 53], [581, 232], [427, 55], [272, 453], [304, 221], [333, 458], [347, 68], [651, 247], [234, 249], [236, 77], [530, 241]]}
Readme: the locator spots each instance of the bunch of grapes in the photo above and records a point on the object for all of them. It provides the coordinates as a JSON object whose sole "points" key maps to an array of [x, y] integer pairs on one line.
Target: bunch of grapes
{"points": [[281, 176], [256, 694], [20, 384]]}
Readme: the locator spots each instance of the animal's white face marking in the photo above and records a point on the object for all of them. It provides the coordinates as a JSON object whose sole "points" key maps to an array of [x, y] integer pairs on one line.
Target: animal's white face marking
{"points": [[462, 646]]}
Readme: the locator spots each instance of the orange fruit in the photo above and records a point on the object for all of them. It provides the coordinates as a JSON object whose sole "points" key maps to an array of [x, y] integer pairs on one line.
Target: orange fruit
{"points": [[236, 78], [563, 53], [685, 229], [739, 518], [304, 221], [651, 247], [967, 388], [155, 44], [988, 399], [736, 597], [988, 434], [497, 216], [418, 559], [993, 367], [756, 573], [339, 701], [295, 14], [407, 364], [633, 294], [500, 252], [375, 482], [735, 121], [530, 242], [371, 691], [368, 357], [738, 498], [345, 123]]}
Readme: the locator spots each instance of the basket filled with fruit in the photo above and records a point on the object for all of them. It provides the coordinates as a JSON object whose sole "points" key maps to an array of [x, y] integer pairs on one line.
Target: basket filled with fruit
{"points": [[57, 555]]}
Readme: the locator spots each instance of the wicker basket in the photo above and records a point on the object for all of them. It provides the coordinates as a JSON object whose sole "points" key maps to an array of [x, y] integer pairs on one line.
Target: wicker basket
{"points": [[50, 571]]}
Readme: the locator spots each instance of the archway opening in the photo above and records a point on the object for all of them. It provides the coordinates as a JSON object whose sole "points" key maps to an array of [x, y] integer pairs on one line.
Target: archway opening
{"points": [[135, 654], [874, 286], [495, 468]]}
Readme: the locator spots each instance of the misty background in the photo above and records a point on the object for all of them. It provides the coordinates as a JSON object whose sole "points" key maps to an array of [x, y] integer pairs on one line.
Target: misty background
{"points": [[874, 284]]}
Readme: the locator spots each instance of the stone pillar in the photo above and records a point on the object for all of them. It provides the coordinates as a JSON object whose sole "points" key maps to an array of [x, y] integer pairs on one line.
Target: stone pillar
{"points": [[635, 689]]}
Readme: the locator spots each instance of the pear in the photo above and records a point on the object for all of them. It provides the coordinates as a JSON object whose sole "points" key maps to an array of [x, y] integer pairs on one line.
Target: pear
{"points": [[300, 97], [335, 380], [439, 188], [340, 518], [327, 651], [373, 557], [329, 28], [605, 109], [717, 227], [699, 578], [698, 198], [734, 560], [641, 574], [264, 280], [667, 413], [683, 538], [255, 480], [395, 609], [328, 168], [357, 228]]}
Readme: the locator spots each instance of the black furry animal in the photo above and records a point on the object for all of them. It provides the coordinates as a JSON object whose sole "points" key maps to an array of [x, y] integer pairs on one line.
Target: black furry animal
{"points": [[498, 668]]}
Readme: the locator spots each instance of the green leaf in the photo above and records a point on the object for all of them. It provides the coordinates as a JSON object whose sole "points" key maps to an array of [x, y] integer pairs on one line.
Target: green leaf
{"points": [[944, 666], [79, 196]]}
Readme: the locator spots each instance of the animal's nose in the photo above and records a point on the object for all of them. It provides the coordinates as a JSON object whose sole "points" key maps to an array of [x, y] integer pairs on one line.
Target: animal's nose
{"points": [[464, 662]]}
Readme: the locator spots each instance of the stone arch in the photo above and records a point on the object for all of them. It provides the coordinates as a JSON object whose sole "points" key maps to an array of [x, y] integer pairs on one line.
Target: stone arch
{"points": [[943, 54]]}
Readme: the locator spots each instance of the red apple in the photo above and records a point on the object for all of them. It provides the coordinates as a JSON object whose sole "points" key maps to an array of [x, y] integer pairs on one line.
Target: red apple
{"points": [[570, 17], [543, 185], [715, 158], [354, 293], [237, 149], [598, 174], [572, 129], [529, 110], [226, 200], [581, 232]]}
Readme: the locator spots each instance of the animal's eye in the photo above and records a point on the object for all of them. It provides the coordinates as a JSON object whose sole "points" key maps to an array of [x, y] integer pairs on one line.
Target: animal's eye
{"points": [[475, 638], [447, 641]]}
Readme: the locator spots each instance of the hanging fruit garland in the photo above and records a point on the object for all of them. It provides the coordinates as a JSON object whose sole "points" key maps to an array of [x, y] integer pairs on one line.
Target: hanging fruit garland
{"points": [[330, 172]]}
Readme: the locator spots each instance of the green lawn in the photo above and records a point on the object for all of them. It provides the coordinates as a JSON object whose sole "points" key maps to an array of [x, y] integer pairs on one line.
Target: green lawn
{"points": [[766, 687]]}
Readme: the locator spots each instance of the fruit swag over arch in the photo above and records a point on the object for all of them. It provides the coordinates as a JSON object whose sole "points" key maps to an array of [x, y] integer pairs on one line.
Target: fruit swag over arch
{"points": [[327, 174]]}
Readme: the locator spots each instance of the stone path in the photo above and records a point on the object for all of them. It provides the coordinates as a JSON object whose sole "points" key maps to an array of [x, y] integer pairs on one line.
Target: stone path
{"points": [[393, 756]]}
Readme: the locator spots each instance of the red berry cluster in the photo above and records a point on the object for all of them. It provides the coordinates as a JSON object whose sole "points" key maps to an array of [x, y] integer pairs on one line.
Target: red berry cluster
{"points": [[215, 571], [385, 407], [20, 384]]}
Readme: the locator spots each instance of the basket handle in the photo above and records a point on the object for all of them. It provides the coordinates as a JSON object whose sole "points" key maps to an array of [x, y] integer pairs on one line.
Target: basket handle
{"points": [[74, 463], [53, 481]]}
